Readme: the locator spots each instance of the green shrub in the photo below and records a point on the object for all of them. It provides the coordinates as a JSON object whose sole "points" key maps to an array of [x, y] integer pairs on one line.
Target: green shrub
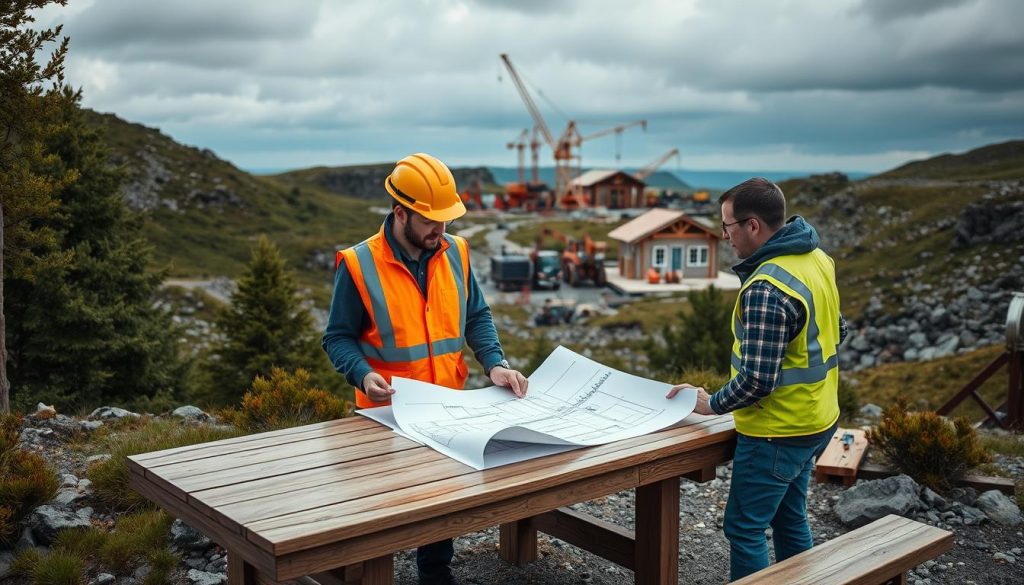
{"points": [[25, 562], [26, 480], [110, 478], [285, 400], [926, 446], [81, 542], [136, 536], [59, 568], [162, 563]]}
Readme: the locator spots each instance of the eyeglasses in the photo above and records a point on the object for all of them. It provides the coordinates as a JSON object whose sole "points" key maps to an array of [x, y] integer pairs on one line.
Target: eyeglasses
{"points": [[725, 226]]}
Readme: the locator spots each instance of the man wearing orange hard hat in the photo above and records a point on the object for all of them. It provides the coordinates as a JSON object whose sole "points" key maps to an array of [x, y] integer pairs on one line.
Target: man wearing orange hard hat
{"points": [[406, 303]]}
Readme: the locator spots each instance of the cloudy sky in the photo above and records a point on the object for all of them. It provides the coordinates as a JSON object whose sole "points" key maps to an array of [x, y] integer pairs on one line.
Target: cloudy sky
{"points": [[806, 85]]}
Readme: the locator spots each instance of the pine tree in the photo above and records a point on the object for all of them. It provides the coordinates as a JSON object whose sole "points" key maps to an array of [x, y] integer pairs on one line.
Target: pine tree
{"points": [[265, 326], [28, 96], [86, 332], [702, 338]]}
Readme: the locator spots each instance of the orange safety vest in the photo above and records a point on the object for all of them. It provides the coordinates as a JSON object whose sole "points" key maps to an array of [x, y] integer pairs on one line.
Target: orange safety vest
{"points": [[409, 335]]}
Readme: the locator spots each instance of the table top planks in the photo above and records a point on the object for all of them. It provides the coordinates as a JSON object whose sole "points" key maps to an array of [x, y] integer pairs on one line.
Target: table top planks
{"points": [[301, 488]]}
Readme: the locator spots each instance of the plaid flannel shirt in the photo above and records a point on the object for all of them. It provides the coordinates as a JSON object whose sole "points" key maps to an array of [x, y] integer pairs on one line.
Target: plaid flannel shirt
{"points": [[771, 319]]}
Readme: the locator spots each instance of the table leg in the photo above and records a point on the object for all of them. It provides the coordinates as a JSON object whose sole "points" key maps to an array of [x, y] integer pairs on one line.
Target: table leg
{"points": [[239, 571], [379, 571], [517, 542], [657, 533]]}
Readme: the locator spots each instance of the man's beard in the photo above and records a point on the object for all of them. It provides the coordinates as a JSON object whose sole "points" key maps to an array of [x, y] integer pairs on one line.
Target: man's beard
{"points": [[418, 241]]}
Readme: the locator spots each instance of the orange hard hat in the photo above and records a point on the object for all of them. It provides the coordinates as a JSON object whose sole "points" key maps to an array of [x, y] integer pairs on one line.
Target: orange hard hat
{"points": [[425, 185]]}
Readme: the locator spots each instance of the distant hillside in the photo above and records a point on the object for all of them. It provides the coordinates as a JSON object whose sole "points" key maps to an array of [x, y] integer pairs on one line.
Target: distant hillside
{"points": [[904, 239], [203, 214], [712, 180], [367, 181], [995, 161]]}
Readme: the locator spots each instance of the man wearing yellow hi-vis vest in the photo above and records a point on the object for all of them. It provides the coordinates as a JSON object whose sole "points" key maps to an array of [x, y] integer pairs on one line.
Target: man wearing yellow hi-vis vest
{"points": [[785, 373], [406, 303]]}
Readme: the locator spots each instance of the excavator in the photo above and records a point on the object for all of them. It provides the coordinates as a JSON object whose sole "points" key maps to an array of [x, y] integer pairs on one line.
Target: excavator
{"points": [[581, 260], [472, 198]]}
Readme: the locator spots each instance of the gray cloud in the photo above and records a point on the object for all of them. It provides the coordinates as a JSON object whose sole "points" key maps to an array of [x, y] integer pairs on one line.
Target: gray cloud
{"points": [[326, 82], [888, 10]]}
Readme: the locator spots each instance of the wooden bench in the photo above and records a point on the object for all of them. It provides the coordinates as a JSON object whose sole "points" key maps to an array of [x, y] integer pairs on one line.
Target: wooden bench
{"points": [[841, 460], [880, 553]]}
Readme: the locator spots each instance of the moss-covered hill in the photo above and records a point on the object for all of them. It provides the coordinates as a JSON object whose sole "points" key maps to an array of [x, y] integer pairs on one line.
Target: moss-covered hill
{"points": [[203, 214]]}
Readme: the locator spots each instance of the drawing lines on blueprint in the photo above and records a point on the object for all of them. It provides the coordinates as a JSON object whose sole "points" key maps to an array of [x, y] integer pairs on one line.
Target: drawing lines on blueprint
{"points": [[585, 414]]}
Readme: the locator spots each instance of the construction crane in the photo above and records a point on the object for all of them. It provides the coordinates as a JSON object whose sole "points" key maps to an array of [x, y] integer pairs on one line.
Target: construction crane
{"points": [[648, 170], [562, 147], [618, 130], [520, 145]]}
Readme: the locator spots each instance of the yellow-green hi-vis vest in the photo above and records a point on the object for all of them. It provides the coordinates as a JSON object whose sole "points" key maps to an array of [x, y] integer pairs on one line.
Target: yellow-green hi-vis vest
{"points": [[805, 401]]}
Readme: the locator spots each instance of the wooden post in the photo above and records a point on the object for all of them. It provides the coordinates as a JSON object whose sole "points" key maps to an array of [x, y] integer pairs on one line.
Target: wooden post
{"points": [[517, 542], [239, 571], [657, 532], [379, 571], [1015, 401]]}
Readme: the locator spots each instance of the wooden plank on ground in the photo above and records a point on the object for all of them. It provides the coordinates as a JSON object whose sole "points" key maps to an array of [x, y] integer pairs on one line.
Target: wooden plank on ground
{"points": [[980, 483], [840, 459], [869, 555]]}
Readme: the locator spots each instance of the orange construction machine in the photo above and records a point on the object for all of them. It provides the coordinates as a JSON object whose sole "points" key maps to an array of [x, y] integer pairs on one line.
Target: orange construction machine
{"points": [[582, 261]]}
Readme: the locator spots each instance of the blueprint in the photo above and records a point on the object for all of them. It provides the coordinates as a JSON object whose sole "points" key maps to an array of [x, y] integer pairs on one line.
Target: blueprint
{"points": [[572, 402]]}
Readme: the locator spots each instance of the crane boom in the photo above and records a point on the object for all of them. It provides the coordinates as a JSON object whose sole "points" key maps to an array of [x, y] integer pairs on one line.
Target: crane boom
{"points": [[528, 100], [650, 168], [616, 129]]}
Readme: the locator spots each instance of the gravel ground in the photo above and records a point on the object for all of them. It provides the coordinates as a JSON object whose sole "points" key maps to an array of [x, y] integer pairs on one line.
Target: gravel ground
{"points": [[985, 554], [704, 551]]}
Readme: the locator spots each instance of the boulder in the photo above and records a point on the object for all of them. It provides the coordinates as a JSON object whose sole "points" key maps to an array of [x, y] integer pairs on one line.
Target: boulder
{"points": [[871, 500], [187, 538], [46, 521], [191, 413], [111, 412], [1000, 508]]}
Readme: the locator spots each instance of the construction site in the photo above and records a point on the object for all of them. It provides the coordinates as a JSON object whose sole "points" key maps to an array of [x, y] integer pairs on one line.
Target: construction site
{"points": [[673, 256]]}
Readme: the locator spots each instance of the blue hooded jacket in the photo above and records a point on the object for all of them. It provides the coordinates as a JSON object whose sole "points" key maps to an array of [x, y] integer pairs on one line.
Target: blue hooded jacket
{"points": [[795, 237]]}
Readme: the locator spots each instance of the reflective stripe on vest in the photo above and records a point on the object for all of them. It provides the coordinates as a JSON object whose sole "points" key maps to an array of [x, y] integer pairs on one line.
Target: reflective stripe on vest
{"points": [[804, 400]]}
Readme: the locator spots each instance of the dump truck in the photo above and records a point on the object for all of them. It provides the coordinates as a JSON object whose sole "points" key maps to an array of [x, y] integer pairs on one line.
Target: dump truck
{"points": [[511, 271]]}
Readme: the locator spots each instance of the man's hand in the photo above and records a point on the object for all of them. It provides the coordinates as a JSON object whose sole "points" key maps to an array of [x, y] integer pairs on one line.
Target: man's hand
{"points": [[377, 388], [502, 376], [703, 399]]}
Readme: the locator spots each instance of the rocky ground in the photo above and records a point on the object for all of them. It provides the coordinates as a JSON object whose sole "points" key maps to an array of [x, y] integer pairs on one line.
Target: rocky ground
{"points": [[988, 527]]}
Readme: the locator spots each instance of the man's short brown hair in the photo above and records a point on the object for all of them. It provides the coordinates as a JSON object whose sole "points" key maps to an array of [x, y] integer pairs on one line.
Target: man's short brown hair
{"points": [[760, 198]]}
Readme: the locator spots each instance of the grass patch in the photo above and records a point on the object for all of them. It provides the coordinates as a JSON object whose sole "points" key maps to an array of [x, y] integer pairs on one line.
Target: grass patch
{"points": [[137, 536], [929, 384], [57, 567], [110, 478], [1009, 445], [81, 542]]}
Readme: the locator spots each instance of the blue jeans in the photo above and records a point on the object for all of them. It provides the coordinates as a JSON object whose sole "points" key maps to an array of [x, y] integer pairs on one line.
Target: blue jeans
{"points": [[769, 488], [435, 559]]}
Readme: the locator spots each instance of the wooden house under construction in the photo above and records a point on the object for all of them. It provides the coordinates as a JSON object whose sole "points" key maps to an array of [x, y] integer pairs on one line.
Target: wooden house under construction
{"points": [[667, 240], [609, 188]]}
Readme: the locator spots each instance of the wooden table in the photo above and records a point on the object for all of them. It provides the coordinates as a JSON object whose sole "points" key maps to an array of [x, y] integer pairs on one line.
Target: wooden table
{"points": [[335, 500]]}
